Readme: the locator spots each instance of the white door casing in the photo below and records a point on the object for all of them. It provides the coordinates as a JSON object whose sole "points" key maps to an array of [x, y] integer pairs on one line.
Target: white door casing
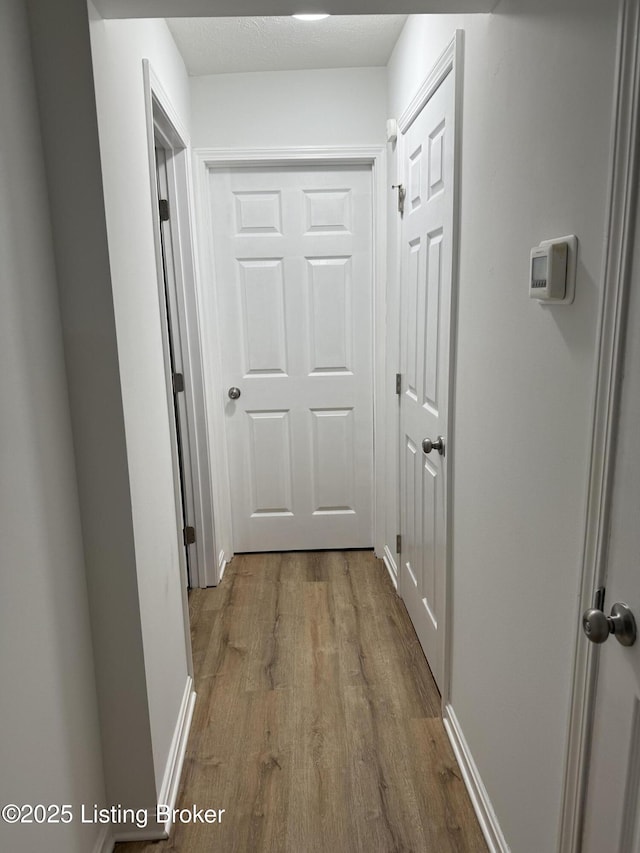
{"points": [[175, 348], [426, 297], [293, 271], [165, 130]]}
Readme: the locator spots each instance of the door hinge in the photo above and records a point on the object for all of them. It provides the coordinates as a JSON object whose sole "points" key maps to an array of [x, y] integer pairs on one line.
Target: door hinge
{"points": [[189, 535], [163, 208], [398, 543], [402, 194], [178, 383], [398, 384]]}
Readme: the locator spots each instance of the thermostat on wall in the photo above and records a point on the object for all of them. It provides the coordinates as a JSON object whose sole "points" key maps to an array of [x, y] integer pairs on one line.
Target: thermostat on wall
{"points": [[552, 271]]}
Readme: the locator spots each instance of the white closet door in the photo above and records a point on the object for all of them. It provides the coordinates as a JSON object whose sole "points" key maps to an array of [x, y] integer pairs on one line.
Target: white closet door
{"points": [[426, 282]]}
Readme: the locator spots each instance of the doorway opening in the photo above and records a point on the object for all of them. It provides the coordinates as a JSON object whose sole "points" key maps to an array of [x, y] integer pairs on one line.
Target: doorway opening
{"points": [[290, 267], [171, 195]]}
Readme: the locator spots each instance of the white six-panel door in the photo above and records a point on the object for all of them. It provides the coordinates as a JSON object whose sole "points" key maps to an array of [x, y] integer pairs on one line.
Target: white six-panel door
{"points": [[426, 281], [293, 272]]}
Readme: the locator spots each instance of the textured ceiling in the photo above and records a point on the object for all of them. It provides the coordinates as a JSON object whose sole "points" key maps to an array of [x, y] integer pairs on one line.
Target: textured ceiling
{"points": [[224, 45]]}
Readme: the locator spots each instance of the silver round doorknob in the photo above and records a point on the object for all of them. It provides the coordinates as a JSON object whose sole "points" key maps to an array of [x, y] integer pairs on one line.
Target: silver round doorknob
{"points": [[597, 626], [428, 445], [623, 624], [234, 393]]}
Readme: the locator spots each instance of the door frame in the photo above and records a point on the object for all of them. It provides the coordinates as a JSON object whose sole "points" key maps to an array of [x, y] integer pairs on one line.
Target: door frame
{"points": [[450, 61], [164, 126], [624, 171], [208, 159]]}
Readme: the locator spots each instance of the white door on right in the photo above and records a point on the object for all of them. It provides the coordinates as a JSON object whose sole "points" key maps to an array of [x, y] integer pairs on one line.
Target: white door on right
{"points": [[426, 289], [612, 815]]}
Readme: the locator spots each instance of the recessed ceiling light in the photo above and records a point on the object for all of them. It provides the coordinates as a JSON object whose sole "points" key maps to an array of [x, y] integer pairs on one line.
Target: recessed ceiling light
{"points": [[318, 17]]}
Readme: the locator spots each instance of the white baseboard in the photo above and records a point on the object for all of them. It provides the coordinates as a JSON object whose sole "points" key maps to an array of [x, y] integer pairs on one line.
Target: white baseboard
{"points": [[154, 831], [223, 566], [390, 563], [104, 842], [171, 782], [475, 786]]}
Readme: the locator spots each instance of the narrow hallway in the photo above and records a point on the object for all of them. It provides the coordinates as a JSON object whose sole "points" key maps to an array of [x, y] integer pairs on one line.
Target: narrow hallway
{"points": [[317, 725]]}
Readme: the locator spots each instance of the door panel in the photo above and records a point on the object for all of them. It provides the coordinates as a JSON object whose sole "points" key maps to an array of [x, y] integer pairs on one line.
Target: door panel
{"points": [[410, 527], [328, 211], [264, 332], [431, 523], [333, 476], [426, 282], [330, 315], [432, 315], [270, 482], [293, 264]]}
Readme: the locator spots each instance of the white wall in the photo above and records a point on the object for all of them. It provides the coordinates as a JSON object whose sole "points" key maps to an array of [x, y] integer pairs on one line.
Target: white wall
{"points": [[343, 106], [118, 49], [66, 102], [525, 381], [50, 748]]}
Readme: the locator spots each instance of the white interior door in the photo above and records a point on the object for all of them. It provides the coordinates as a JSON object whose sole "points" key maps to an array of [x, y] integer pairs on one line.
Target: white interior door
{"points": [[426, 282], [293, 270], [182, 450], [613, 801]]}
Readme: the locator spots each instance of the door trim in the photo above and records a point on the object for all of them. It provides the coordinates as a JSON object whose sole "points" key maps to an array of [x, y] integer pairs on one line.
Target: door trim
{"points": [[163, 123], [624, 168], [207, 159], [450, 61]]}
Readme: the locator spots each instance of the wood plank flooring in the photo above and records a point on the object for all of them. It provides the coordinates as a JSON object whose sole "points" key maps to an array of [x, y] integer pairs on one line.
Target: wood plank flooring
{"points": [[317, 725]]}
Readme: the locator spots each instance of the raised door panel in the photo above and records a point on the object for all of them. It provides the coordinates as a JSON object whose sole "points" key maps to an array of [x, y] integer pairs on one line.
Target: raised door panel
{"points": [[431, 522], [269, 463], [437, 154], [411, 527], [328, 211], [264, 332], [333, 436], [258, 212], [330, 315], [415, 179], [431, 322], [412, 318]]}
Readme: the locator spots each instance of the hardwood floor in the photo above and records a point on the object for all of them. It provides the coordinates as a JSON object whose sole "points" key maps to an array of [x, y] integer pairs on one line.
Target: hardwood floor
{"points": [[317, 725]]}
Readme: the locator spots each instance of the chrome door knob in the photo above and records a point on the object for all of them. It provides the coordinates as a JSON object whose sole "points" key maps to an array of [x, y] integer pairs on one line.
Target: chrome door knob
{"points": [[234, 393], [597, 626], [438, 444]]}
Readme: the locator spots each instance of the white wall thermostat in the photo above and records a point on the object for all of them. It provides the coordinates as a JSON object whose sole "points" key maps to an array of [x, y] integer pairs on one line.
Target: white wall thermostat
{"points": [[552, 271]]}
